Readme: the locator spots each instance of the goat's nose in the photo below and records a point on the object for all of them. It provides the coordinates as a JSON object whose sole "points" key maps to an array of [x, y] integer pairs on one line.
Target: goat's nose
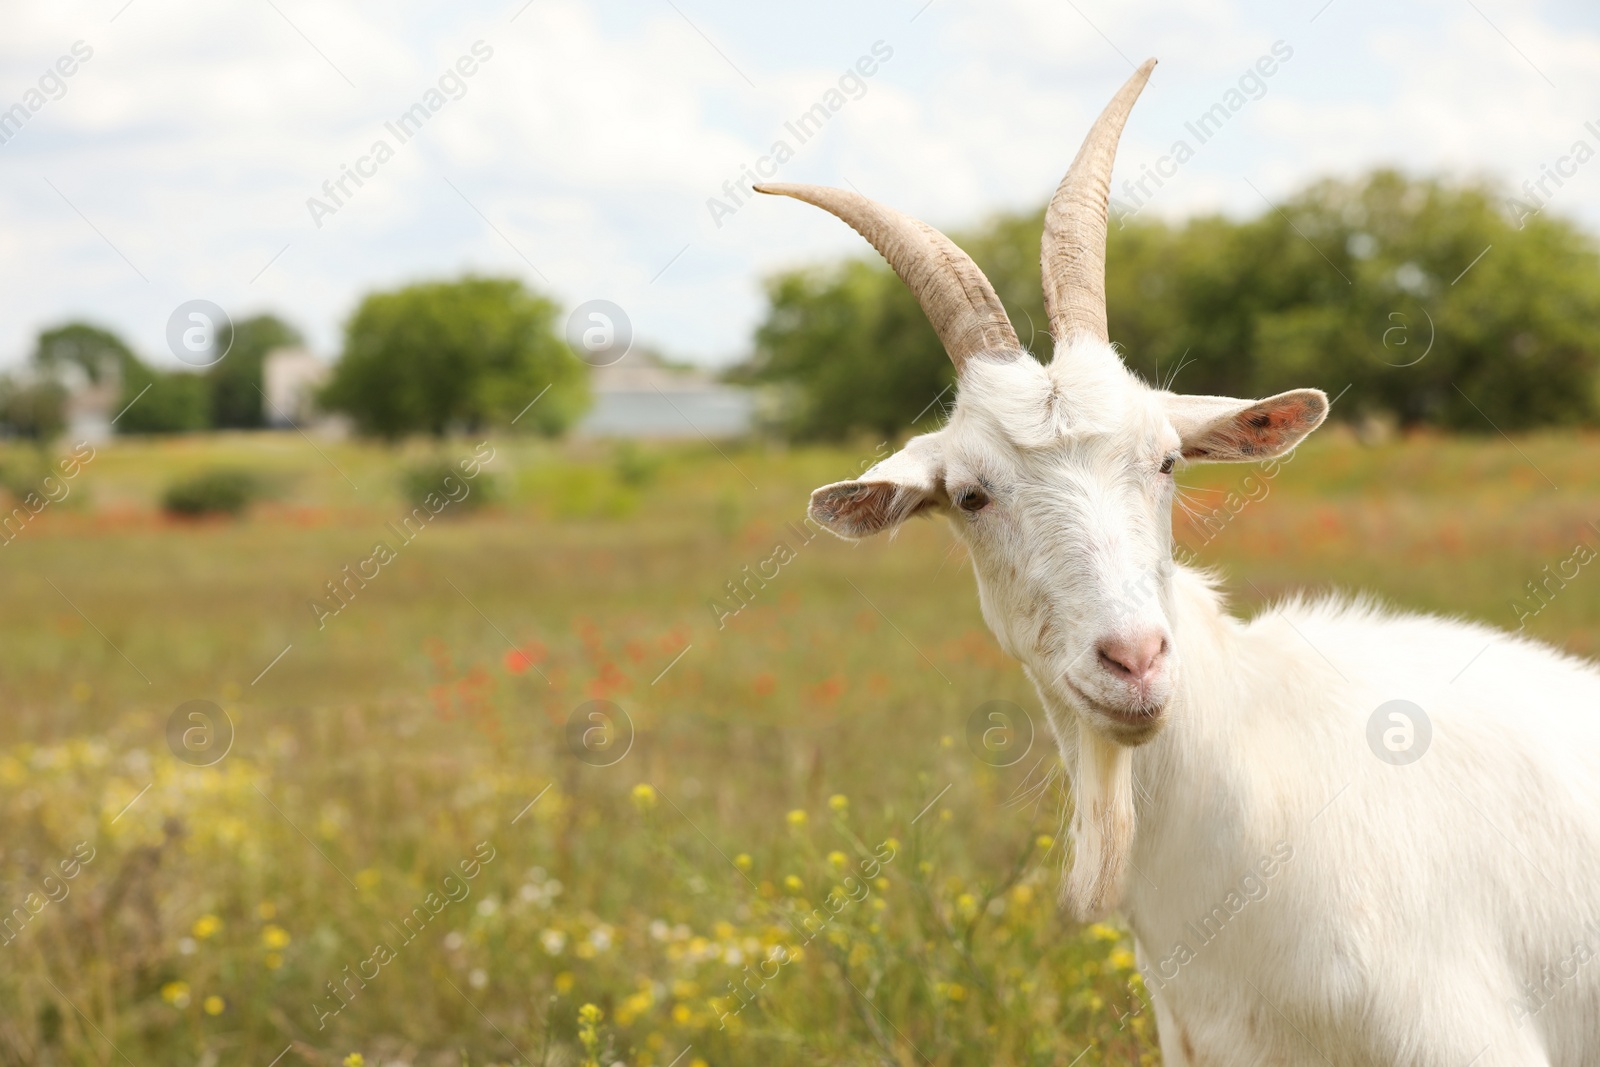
{"points": [[1134, 657]]}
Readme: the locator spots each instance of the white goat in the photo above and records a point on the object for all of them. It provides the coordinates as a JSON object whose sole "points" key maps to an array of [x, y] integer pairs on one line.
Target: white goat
{"points": [[1295, 897]]}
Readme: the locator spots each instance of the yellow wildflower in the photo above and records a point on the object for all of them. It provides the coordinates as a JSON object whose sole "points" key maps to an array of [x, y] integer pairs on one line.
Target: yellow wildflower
{"points": [[564, 982], [797, 818], [176, 994], [589, 1017], [206, 925], [644, 796], [355, 1059], [838, 859], [839, 802], [274, 936], [213, 1005], [743, 861], [793, 884]]}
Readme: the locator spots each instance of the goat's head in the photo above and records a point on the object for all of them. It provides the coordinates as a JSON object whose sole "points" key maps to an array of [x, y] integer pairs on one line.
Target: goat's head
{"points": [[1058, 478]]}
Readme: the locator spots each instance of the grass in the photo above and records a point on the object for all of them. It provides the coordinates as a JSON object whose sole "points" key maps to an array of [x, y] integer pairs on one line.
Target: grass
{"points": [[401, 853]]}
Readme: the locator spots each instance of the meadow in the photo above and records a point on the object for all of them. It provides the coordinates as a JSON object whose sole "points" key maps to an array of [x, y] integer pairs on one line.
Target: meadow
{"points": [[538, 789]]}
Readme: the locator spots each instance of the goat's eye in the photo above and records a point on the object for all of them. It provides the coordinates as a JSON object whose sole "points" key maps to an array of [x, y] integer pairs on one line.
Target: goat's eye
{"points": [[1168, 463], [972, 500]]}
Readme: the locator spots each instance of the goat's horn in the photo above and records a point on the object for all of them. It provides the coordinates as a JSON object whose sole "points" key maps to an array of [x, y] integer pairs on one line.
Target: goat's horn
{"points": [[1073, 252], [954, 294]]}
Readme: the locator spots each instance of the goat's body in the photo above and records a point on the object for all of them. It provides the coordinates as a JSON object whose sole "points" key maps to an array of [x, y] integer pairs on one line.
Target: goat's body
{"points": [[1296, 897], [1297, 900]]}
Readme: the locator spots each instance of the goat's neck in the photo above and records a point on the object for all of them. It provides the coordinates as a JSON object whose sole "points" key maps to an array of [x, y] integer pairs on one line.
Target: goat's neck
{"points": [[1190, 786]]}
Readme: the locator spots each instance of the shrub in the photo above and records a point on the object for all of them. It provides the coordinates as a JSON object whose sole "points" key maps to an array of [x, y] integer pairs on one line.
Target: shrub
{"points": [[450, 482], [218, 491], [634, 466]]}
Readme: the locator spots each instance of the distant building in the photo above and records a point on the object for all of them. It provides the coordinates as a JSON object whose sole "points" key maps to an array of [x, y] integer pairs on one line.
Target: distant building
{"points": [[640, 397], [91, 406], [290, 378]]}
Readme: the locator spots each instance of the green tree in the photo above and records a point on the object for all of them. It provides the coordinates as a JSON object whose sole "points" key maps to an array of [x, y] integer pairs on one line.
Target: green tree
{"points": [[33, 409], [155, 401], [97, 353], [854, 349], [1346, 287], [236, 381], [461, 355], [152, 401]]}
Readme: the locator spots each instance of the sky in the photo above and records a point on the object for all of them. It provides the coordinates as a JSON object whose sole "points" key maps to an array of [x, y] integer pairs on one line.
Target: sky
{"points": [[595, 150]]}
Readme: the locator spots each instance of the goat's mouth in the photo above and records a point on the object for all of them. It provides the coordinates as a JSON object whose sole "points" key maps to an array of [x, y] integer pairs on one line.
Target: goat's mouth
{"points": [[1130, 725]]}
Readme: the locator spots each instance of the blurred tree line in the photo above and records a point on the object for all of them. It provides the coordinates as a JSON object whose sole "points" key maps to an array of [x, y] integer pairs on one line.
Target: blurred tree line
{"points": [[1418, 296], [33, 404], [432, 358]]}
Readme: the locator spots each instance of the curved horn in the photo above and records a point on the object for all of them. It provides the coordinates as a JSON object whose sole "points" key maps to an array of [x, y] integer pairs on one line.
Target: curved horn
{"points": [[954, 294], [1073, 253]]}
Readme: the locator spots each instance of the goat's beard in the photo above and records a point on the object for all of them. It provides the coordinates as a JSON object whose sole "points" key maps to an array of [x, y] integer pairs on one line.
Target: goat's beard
{"points": [[1102, 825]]}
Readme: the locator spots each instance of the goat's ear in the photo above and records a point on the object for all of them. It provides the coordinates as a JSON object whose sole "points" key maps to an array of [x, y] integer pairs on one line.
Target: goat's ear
{"points": [[907, 483], [1219, 429]]}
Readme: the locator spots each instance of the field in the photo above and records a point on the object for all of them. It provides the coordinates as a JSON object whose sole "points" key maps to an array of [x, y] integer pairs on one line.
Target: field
{"points": [[399, 833]]}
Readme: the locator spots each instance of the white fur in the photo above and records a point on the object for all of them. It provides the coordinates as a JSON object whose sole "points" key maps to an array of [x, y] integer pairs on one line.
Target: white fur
{"points": [[1411, 911], [1420, 901]]}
